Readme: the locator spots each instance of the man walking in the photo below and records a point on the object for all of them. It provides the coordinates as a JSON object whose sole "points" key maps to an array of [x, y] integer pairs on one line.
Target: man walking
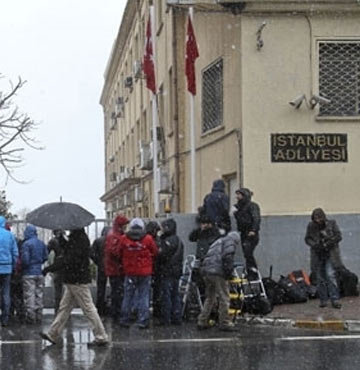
{"points": [[247, 215], [8, 257], [75, 266]]}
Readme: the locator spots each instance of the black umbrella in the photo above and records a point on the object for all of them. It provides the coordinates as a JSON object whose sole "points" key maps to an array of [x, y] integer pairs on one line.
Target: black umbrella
{"points": [[60, 215]]}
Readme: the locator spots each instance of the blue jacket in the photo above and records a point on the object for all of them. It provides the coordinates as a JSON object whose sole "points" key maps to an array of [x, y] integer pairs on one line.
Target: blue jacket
{"points": [[33, 252], [8, 249]]}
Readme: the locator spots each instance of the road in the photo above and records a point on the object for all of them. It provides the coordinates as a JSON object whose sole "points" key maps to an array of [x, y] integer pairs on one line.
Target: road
{"points": [[177, 348]]}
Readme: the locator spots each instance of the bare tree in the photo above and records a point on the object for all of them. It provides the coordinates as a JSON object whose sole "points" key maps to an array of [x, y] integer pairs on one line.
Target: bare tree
{"points": [[16, 130]]}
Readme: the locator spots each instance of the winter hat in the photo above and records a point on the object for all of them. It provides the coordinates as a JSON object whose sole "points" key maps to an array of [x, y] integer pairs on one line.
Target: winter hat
{"points": [[121, 220], [137, 223]]}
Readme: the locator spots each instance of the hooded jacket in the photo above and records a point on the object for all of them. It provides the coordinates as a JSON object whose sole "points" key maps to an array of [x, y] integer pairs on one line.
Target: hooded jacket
{"points": [[216, 205], [75, 263], [171, 253], [33, 252], [137, 252], [247, 213], [219, 259], [324, 236], [203, 238], [97, 249], [112, 264], [8, 249]]}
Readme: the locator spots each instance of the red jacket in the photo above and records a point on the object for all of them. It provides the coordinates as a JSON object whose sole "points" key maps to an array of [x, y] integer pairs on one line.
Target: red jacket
{"points": [[137, 253], [112, 262]]}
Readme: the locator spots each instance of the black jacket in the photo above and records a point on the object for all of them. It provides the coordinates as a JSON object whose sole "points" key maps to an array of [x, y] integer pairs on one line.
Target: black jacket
{"points": [[74, 264], [324, 236], [247, 214], [216, 206], [204, 239], [171, 251], [98, 248]]}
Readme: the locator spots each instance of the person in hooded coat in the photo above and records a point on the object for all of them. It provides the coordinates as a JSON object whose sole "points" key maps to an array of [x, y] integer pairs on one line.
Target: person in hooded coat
{"points": [[216, 206], [33, 254], [322, 236], [97, 252], [8, 257], [113, 265], [137, 253], [170, 263], [247, 216], [75, 265]]}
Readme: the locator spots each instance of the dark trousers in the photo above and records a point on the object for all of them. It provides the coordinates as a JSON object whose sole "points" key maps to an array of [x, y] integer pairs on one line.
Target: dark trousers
{"points": [[117, 293], [101, 280], [170, 301], [17, 300], [248, 244], [5, 297]]}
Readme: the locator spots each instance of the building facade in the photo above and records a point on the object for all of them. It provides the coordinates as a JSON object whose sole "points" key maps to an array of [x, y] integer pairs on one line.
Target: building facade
{"points": [[277, 107]]}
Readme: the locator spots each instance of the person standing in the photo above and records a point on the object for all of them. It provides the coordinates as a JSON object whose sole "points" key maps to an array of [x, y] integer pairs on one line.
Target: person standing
{"points": [[170, 263], [97, 252], [113, 266], [217, 268], [8, 257], [322, 235], [137, 254], [216, 206], [247, 215], [33, 254], [56, 247], [75, 266]]}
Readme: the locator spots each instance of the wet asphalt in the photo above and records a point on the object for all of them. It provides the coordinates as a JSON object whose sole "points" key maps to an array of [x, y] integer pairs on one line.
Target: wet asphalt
{"points": [[175, 348]]}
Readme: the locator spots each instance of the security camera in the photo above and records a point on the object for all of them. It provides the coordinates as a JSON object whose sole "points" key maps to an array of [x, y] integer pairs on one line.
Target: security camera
{"points": [[317, 99], [296, 103]]}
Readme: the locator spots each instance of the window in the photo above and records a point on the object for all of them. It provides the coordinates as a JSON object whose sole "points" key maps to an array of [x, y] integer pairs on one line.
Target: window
{"points": [[212, 96], [339, 78]]}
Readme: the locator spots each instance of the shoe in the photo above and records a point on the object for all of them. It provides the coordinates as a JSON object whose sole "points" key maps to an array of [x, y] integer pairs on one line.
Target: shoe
{"points": [[203, 326], [336, 304], [227, 327], [46, 337], [323, 304], [98, 343]]}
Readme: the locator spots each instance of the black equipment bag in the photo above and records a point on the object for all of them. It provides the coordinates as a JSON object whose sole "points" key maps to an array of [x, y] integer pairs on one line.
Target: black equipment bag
{"points": [[274, 292], [347, 282], [257, 305], [293, 293], [302, 279]]}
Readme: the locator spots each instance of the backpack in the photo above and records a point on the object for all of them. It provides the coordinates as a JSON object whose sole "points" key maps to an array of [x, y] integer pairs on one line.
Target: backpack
{"points": [[293, 292], [347, 282], [257, 305], [302, 279], [274, 292]]}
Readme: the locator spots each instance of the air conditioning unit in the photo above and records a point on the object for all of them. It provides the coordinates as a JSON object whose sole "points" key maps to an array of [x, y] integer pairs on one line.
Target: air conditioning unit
{"points": [[152, 149], [108, 207], [159, 133], [128, 82], [111, 158], [163, 179], [145, 157], [127, 173], [138, 194], [137, 69]]}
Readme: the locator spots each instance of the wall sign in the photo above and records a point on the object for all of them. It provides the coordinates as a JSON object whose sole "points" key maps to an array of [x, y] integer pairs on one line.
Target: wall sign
{"points": [[309, 148]]}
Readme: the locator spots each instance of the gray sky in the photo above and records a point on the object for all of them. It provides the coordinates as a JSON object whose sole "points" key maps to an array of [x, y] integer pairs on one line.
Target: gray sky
{"points": [[61, 49]]}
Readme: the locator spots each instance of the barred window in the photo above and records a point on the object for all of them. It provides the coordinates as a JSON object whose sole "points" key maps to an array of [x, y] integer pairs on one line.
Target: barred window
{"points": [[212, 96], [339, 78]]}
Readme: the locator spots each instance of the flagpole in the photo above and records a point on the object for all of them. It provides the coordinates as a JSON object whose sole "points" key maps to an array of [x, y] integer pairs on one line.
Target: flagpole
{"points": [[192, 142], [154, 123]]}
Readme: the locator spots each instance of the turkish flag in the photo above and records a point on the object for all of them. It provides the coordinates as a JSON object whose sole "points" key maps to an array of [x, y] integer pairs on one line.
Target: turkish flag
{"points": [[148, 65], [191, 55]]}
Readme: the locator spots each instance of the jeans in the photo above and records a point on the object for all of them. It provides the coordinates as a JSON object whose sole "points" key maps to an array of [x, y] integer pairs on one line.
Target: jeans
{"points": [[5, 297], [138, 287], [326, 281], [117, 293], [170, 301]]}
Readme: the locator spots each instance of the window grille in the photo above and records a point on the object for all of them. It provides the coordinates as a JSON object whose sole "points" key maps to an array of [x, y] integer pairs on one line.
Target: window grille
{"points": [[212, 96], [339, 78]]}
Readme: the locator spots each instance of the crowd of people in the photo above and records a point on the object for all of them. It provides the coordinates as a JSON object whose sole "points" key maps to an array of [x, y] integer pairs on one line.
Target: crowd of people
{"points": [[143, 263]]}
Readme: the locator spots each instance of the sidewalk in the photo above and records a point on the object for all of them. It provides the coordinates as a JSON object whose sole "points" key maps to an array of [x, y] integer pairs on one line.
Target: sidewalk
{"points": [[310, 315]]}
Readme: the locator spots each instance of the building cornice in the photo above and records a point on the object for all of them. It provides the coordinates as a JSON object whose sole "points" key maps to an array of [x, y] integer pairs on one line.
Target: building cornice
{"points": [[118, 48]]}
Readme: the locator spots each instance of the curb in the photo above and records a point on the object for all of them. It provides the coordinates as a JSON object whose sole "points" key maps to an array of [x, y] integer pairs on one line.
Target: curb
{"points": [[334, 325]]}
